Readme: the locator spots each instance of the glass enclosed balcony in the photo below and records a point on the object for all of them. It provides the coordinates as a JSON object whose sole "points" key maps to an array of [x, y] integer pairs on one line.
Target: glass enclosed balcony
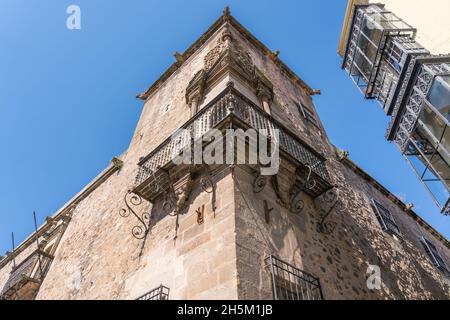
{"points": [[420, 124], [387, 64], [427, 147], [373, 58]]}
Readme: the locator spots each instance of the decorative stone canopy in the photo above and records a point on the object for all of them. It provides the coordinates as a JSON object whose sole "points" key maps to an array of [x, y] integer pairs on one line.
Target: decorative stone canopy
{"points": [[228, 57]]}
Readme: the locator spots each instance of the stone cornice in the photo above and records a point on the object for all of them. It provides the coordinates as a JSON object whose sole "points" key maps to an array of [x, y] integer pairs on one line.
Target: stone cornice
{"points": [[116, 164], [226, 17]]}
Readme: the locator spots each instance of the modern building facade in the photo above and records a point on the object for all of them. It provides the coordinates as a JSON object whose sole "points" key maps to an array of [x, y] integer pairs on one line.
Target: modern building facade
{"points": [[406, 68], [149, 227]]}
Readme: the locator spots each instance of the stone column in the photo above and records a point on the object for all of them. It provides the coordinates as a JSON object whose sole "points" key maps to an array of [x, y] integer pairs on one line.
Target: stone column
{"points": [[266, 104], [265, 96], [194, 105]]}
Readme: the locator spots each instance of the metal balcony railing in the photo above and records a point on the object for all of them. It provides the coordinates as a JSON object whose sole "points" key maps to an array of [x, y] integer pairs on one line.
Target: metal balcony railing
{"points": [[160, 293], [229, 106], [26, 277], [291, 283]]}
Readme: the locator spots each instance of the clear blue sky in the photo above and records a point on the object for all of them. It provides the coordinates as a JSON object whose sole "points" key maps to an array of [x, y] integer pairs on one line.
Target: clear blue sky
{"points": [[67, 98]]}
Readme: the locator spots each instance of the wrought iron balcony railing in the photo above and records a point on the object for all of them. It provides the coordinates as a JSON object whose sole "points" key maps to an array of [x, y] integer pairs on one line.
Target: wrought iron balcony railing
{"points": [[160, 293], [291, 283], [26, 277], [228, 107]]}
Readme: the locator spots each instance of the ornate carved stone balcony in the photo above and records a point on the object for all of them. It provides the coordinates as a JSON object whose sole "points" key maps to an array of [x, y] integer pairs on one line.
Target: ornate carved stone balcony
{"points": [[26, 277], [230, 108]]}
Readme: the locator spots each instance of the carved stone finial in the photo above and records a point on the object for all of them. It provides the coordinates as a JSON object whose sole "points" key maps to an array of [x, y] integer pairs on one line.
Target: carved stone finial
{"points": [[342, 155], [49, 220], [409, 207], [227, 12], [70, 212], [179, 57], [117, 163], [274, 54]]}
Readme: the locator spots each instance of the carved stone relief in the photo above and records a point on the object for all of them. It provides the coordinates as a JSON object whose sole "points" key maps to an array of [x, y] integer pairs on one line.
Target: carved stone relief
{"points": [[228, 56]]}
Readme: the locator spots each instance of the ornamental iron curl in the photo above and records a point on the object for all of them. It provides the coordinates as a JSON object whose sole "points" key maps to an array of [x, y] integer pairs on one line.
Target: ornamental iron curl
{"points": [[169, 204], [207, 184], [140, 230], [331, 197], [297, 204], [259, 183]]}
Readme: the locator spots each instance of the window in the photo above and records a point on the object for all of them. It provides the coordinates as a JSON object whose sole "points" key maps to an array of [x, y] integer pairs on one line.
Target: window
{"points": [[434, 255], [291, 283], [306, 113], [385, 219], [439, 95]]}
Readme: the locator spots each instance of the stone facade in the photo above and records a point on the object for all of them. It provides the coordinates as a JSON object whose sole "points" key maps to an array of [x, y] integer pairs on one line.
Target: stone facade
{"points": [[214, 240]]}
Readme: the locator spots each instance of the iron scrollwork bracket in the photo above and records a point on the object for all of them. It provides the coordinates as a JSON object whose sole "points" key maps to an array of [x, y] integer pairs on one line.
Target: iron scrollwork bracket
{"points": [[207, 184], [296, 203], [259, 183], [331, 197], [140, 230], [169, 204]]}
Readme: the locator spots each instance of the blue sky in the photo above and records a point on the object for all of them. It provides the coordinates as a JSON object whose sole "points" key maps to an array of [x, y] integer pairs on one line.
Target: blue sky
{"points": [[67, 97]]}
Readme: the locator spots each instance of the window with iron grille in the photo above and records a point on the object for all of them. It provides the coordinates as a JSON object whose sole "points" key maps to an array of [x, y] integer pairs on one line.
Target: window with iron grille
{"points": [[159, 293], [306, 113], [434, 255], [385, 219], [291, 283]]}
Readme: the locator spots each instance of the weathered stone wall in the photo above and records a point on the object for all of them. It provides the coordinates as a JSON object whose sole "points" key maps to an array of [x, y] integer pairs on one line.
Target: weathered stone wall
{"points": [[99, 259], [340, 259]]}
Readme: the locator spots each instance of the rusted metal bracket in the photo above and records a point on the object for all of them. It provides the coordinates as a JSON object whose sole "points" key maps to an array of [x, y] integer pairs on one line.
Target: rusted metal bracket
{"points": [[207, 184], [330, 197], [200, 214], [140, 230]]}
